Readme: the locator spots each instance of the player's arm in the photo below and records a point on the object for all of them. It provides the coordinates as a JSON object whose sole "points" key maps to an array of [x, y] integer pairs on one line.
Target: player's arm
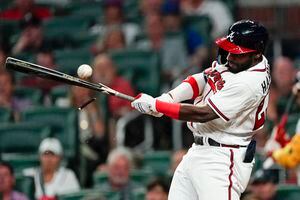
{"points": [[190, 88], [187, 112]]}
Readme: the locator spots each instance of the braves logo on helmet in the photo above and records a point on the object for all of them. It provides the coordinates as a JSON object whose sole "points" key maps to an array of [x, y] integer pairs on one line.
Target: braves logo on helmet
{"points": [[231, 36]]}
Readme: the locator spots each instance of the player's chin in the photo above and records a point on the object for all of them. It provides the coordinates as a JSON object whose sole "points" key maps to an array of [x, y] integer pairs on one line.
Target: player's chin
{"points": [[232, 67]]}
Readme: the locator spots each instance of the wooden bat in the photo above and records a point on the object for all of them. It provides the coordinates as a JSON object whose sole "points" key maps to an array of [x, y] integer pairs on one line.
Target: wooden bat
{"points": [[44, 72]]}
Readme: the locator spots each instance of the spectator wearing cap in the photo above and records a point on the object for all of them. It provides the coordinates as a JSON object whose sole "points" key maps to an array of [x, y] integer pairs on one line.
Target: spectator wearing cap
{"points": [[7, 182], [51, 178], [114, 18], [23, 7], [264, 184]]}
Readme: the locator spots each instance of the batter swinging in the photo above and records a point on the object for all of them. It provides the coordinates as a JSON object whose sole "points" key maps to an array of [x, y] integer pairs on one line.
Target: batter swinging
{"points": [[230, 102]]}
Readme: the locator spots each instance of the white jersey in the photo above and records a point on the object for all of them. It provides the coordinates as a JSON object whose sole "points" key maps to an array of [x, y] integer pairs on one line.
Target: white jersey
{"points": [[240, 100]]}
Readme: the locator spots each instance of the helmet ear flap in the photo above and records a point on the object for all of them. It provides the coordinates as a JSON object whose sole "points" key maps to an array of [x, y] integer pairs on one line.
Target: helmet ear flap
{"points": [[222, 56]]}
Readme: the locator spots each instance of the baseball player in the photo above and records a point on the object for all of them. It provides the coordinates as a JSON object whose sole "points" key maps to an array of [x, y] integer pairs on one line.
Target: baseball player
{"points": [[230, 102]]}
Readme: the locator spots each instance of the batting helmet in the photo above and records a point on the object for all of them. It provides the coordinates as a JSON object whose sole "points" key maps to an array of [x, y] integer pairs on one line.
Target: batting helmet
{"points": [[244, 36]]}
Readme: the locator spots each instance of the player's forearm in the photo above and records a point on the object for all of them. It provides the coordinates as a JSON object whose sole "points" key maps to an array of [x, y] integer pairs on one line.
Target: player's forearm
{"points": [[186, 112]]}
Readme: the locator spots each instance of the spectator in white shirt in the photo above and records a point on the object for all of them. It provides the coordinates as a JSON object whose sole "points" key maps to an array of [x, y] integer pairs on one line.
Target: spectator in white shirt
{"points": [[51, 178]]}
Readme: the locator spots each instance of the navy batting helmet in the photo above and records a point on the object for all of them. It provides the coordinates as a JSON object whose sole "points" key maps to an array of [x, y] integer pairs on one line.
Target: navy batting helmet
{"points": [[244, 36]]}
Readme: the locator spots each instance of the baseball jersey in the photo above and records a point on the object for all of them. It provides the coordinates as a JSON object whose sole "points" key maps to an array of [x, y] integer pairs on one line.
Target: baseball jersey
{"points": [[240, 100]]}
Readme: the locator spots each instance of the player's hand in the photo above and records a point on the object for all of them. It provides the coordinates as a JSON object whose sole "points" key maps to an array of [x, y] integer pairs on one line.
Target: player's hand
{"points": [[145, 103]]}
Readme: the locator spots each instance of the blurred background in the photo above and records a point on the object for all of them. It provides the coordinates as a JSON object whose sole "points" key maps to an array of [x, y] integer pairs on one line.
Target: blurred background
{"points": [[50, 150]]}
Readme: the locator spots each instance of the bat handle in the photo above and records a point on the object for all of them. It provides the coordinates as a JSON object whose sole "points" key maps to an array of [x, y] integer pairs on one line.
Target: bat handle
{"points": [[124, 96]]}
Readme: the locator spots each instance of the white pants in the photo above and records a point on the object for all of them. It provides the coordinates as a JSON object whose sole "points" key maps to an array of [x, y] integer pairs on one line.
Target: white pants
{"points": [[211, 173]]}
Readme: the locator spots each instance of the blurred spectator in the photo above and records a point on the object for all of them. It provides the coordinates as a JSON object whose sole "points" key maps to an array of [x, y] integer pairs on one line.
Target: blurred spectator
{"points": [[113, 16], [7, 182], [23, 7], [249, 196], [44, 57], [113, 39], [105, 72], [172, 50], [92, 132], [157, 190], [283, 77], [149, 7], [4, 51], [264, 185], [216, 10], [31, 39], [176, 158], [51, 178], [7, 98], [119, 165], [171, 16]]}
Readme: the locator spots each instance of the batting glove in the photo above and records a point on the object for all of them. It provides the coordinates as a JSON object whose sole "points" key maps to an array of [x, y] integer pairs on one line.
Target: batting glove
{"points": [[145, 103]]}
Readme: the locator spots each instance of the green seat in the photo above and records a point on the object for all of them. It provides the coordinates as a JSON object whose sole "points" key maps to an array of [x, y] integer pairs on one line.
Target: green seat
{"points": [[63, 123], [84, 39], [25, 185], [140, 67], [69, 60], [288, 192], [34, 95], [100, 178], [5, 114], [157, 161], [21, 161], [82, 195], [22, 137], [65, 26], [59, 92], [9, 27], [91, 10], [201, 25]]}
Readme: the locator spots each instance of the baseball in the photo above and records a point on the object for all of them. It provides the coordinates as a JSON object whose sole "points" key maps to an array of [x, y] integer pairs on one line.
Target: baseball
{"points": [[84, 71]]}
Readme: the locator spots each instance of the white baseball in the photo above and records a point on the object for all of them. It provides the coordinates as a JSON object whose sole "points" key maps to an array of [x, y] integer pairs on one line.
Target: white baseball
{"points": [[84, 71]]}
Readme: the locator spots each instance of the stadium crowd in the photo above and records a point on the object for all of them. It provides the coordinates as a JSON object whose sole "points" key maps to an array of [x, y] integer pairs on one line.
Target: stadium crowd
{"points": [[50, 150]]}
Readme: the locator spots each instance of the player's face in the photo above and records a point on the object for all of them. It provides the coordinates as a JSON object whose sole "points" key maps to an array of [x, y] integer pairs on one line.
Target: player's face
{"points": [[239, 62]]}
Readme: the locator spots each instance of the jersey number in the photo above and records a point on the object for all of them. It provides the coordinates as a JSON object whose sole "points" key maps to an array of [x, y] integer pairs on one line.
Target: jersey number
{"points": [[260, 116]]}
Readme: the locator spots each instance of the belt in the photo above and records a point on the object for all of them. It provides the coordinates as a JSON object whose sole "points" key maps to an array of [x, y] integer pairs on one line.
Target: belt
{"points": [[211, 142]]}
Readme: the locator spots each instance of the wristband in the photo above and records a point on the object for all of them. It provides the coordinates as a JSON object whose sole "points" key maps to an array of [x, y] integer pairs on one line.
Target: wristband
{"points": [[168, 109]]}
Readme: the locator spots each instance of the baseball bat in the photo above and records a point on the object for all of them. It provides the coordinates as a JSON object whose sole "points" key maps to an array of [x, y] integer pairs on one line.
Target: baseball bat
{"points": [[44, 72]]}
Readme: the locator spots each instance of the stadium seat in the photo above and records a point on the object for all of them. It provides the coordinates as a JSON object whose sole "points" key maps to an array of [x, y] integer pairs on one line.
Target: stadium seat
{"points": [[34, 95], [140, 67], [63, 123], [9, 27], [5, 114], [69, 60], [157, 161], [288, 192], [59, 92], [21, 161], [25, 185], [100, 178], [92, 10], [67, 26], [82, 194], [22, 137]]}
